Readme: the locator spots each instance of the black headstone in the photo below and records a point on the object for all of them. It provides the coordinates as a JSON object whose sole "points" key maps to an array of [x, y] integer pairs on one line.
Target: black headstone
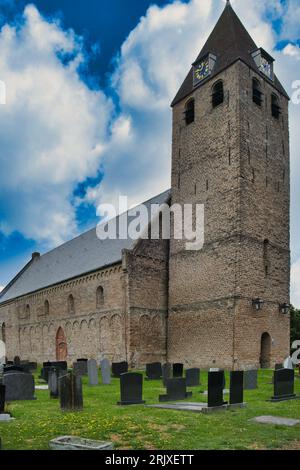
{"points": [[154, 371], [61, 365], [177, 370], [215, 389], [236, 387], [278, 366], [80, 368], [70, 392], [118, 368], [284, 385], [53, 383], [176, 390], [131, 386], [17, 361], [8, 369], [19, 386], [192, 377], [2, 398]]}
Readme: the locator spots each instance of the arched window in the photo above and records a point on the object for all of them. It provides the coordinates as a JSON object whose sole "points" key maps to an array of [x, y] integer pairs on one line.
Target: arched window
{"points": [[46, 307], [217, 94], [3, 336], [190, 112], [71, 305], [27, 311], [275, 106], [256, 92], [100, 297]]}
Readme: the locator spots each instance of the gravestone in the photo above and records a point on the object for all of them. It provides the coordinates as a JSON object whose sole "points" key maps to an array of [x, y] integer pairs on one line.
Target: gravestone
{"points": [[93, 372], [61, 365], [118, 368], [250, 379], [70, 392], [177, 370], [288, 363], [166, 372], [154, 371], [53, 378], [131, 386], [17, 361], [2, 398], [215, 389], [192, 377], [236, 388], [105, 371], [2, 353], [284, 385], [80, 368], [176, 390], [279, 366], [9, 369], [19, 386]]}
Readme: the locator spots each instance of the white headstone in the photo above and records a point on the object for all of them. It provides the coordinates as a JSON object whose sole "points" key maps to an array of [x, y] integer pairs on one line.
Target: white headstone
{"points": [[2, 352], [288, 363]]}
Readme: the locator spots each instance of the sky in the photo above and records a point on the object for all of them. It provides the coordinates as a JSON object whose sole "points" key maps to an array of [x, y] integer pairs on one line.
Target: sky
{"points": [[87, 116]]}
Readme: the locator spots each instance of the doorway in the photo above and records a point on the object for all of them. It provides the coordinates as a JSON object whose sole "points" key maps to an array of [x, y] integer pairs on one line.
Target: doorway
{"points": [[61, 345], [265, 351]]}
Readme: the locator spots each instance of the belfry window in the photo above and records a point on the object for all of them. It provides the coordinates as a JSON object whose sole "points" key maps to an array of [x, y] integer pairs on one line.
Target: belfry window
{"points": [[256, 92], [190, 112], [217, 94], [276, 111]]}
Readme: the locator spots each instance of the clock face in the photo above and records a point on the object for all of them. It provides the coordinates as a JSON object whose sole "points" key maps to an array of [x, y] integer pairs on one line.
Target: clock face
{"points": [[201, 71], [265, 67]]}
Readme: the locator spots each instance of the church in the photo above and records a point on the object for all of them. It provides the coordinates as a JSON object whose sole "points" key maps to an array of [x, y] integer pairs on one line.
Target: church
{"points": [[226, 305]]}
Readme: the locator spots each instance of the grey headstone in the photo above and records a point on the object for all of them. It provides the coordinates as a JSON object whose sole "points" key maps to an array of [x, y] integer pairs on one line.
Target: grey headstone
{"points": [[78, 443], [276, 420], [166, 372], [105, 371], [53, 378], [250, 379], [19, 386], [93, 372]]}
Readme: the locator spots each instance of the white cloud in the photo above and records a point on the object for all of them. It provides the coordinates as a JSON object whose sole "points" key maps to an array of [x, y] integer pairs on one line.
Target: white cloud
{"points": [[52, 129], [295, 284]]}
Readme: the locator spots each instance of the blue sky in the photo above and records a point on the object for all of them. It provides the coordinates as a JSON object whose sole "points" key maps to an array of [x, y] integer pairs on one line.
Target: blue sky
{"points": [[89, 83]]}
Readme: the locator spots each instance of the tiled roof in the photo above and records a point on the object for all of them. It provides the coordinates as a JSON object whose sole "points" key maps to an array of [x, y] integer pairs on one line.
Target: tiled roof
{"points": [[81, 255]]}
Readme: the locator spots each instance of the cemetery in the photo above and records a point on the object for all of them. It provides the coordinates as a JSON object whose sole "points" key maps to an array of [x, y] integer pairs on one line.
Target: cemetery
{"points": [[107, 406]]}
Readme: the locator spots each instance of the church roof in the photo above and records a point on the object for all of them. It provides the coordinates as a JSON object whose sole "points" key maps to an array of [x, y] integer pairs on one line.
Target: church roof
{"points": [[82, 255], [229, 42]]}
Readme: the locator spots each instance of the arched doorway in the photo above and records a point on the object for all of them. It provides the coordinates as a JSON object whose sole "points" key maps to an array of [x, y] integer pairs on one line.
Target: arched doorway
{"points": [[61, 345], [265, 351]]}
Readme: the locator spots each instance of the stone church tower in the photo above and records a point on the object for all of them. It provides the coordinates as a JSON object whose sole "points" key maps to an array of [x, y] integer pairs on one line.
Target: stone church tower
{"points": [[229, 302]]}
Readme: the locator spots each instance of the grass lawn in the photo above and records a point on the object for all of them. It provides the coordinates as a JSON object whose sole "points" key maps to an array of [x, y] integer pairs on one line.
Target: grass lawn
{"points": [[138, 427]]}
